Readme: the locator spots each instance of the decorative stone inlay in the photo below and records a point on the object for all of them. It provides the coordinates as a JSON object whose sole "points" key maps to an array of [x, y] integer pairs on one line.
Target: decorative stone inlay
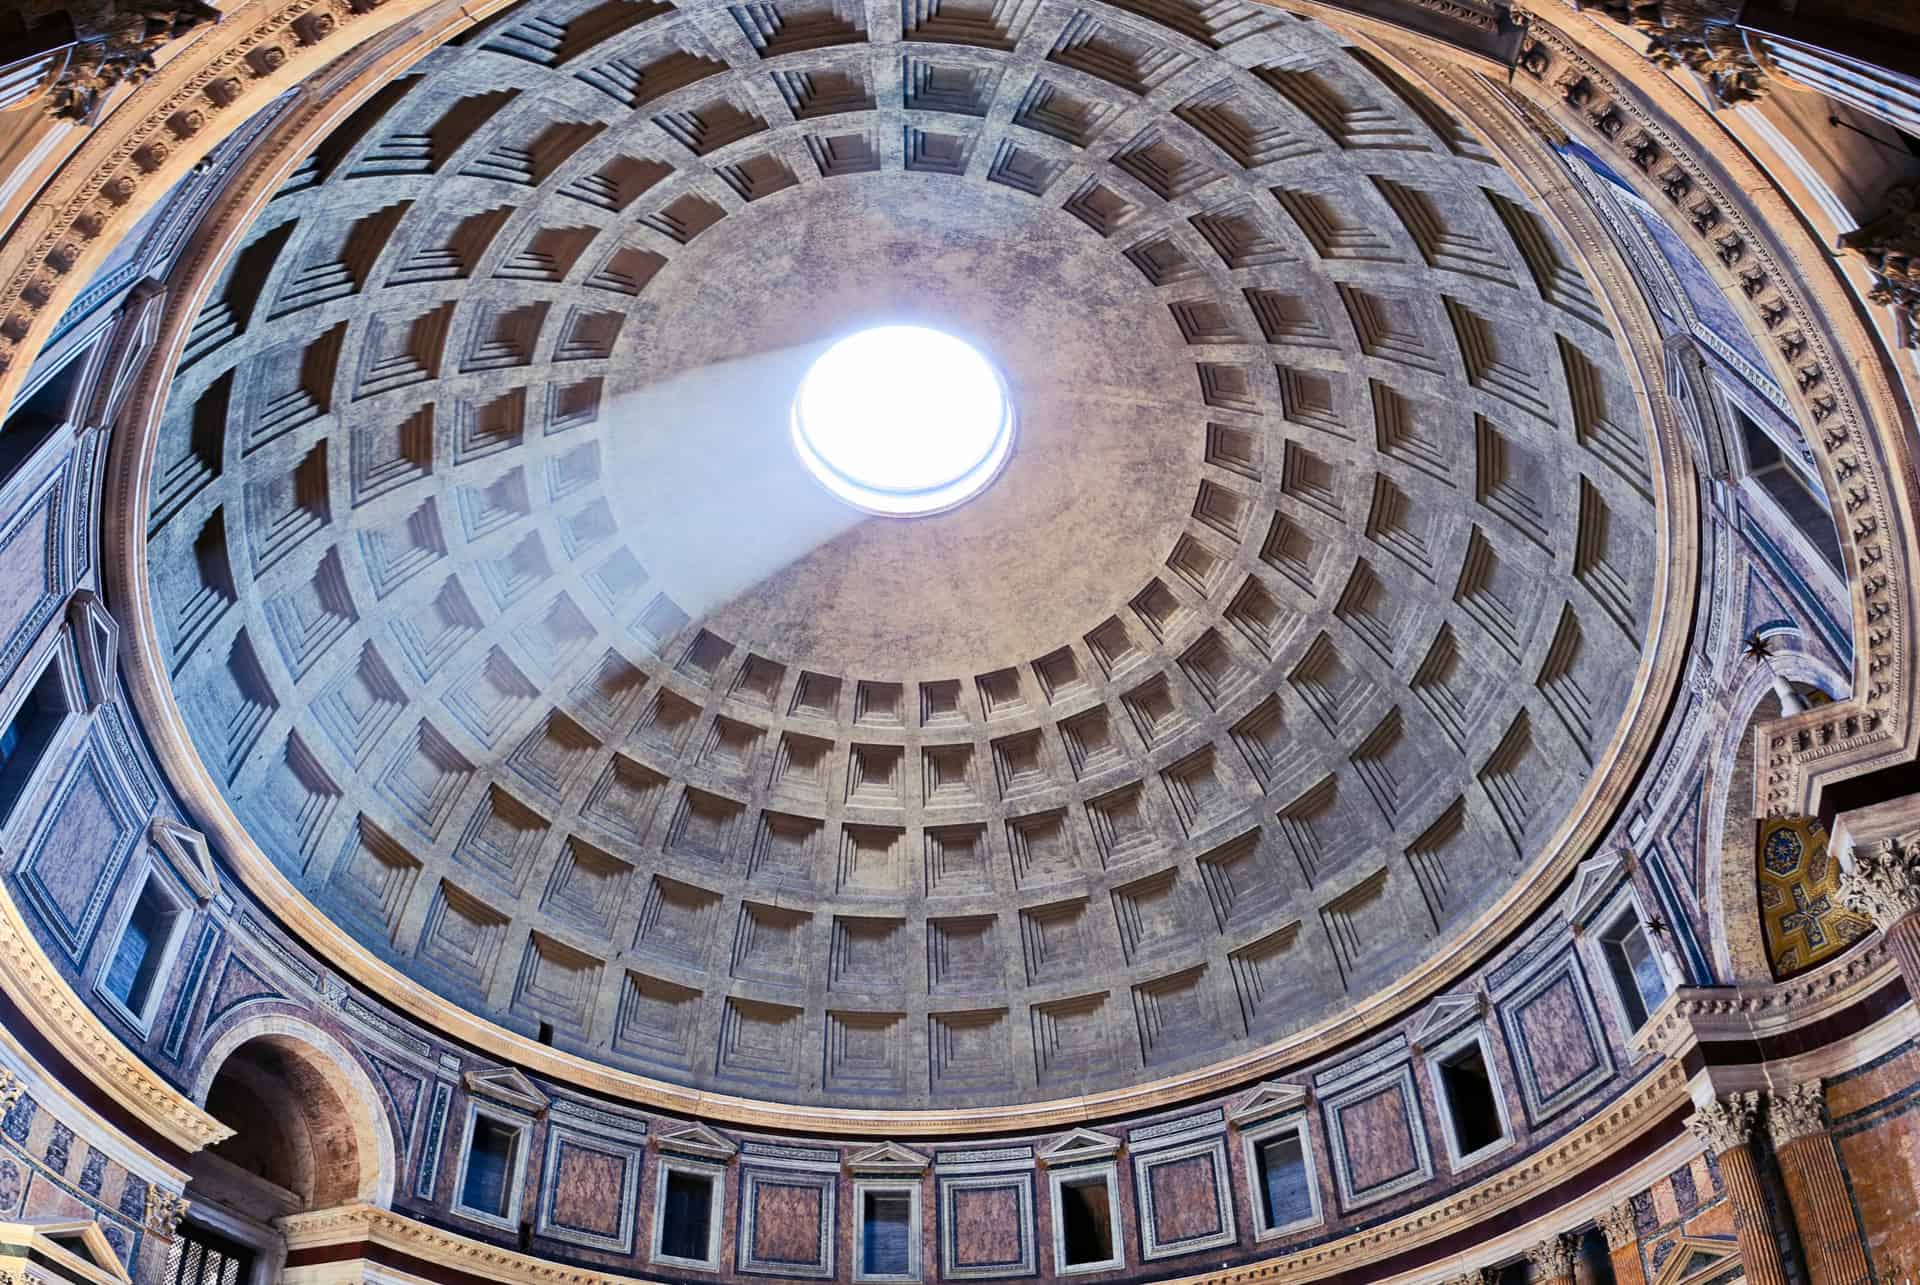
{"points": [[1726, 1122], [1798, 1112], [1882, 881]]}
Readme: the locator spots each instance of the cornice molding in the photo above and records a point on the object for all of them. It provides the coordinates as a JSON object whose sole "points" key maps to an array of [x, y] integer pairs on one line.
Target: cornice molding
{"points": [[1578, 73], [43, 996], [1694, 1015]]}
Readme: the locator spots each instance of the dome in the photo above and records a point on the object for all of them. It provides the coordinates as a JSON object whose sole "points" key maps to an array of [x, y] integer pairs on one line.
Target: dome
{"points": [[1292, 634]]}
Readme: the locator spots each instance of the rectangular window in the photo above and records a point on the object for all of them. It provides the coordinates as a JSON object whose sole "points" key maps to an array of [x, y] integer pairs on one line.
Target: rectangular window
{"points": [[686, 1216], [1285, 1190], [1637, 975], [1086, 1222], [1473, 1110], [24, 740], [886, 1230], [142, 949], [200, 1257], [492, 1156]]}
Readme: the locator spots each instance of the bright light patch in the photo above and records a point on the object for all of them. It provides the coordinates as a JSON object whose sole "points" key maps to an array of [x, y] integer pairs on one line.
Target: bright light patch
{"points": [[902, 420]]}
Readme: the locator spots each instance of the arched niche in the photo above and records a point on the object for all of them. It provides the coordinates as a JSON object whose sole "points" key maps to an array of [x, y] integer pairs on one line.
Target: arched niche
{"points": [[1730, 823], [310, 1131]]}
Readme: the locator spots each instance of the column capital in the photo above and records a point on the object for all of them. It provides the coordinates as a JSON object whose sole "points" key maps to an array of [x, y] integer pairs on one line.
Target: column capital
{"points": [[1474, 1276], [1725, 1123], [1800, 1112], [1551, 1259], [1882, 881], [1617, 1225]]}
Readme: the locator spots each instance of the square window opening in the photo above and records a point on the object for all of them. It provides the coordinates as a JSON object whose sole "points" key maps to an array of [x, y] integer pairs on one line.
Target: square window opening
{"points": [[1286, 1197], [1473, 1111], [1086, 1222], [142, 949], [491, 1158], [1635, 968], [24, 740], [886, 1228], [686, 1216]]}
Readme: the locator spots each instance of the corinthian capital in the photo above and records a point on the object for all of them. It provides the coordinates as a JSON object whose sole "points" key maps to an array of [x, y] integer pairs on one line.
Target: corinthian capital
{"points": [[1800, 1112], [1551, 1259], [1725, 1123], [1882, 882], [1616, 1224]]}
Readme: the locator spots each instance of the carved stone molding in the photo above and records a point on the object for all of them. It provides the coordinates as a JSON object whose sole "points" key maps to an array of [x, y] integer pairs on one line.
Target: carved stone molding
{"points": [[43, 995], [116, 41], [1882, 882], [1616, 1224], [165, 1209], [1799, 1112], [1551, 1259], [1725, 1123], [1890, 247], [1827, 360], [1699, 35]]}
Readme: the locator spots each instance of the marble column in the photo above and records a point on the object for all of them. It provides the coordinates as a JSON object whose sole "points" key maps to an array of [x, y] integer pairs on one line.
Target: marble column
{"points": [[1882, 882], [1623, 1244], [1725, 1127], [1552, 1261], [1810, 1165]]}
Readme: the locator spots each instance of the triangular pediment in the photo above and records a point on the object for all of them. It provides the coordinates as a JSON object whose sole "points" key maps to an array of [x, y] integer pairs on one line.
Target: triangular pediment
{"points": [[1077, 1145], [1444, 1015], [1266, 1100], [75, 1248], [1698, 1258], [1595, 878], [695, 1139], [185, 849], [96, 639], [508, 1087], [888, 1157]]}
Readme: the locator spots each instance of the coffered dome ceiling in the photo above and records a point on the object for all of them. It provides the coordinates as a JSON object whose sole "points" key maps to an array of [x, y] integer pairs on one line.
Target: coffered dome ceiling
{"points": [[502, 612]]}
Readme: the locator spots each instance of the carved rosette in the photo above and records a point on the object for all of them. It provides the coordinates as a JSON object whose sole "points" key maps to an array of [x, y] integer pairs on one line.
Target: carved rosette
{"points": [[1800, 1112], [1883, 882], [1725, 1123], [1890, 246], [1551, 1259], [11, 1091], [1616, 1224]]}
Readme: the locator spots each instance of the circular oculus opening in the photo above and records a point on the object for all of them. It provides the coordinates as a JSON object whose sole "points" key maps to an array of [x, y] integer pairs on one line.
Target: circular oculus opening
{"points": [[902, 421]]}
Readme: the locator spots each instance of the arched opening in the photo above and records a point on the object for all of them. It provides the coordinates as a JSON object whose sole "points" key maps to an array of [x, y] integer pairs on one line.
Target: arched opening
{"points": [[294, 1146]]}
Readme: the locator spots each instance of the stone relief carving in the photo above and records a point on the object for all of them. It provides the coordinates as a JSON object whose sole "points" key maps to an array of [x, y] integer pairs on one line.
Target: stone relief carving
{"points": [[1890, 247], [1800, 1112], [1725, 1123], [1883, 882], [1699, 35], [1551, 1259], [1616, 1224], [117, 41]]}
